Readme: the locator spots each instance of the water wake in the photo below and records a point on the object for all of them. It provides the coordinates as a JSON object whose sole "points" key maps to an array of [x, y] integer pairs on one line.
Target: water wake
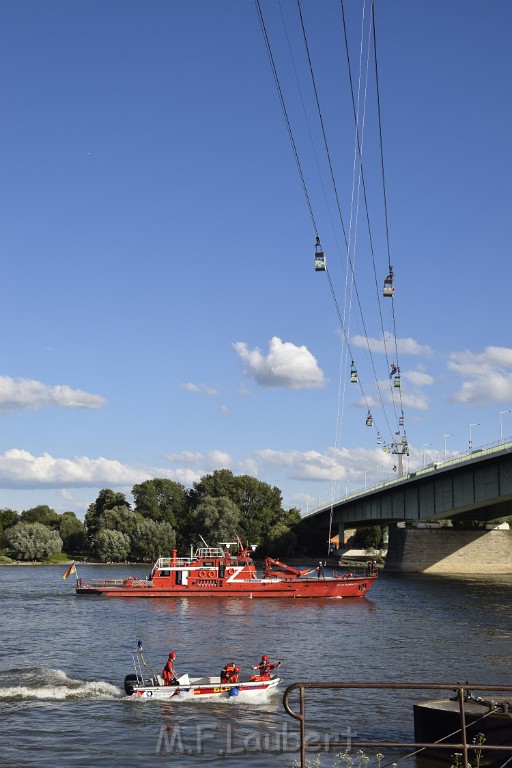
{"points": [[53, 685]]}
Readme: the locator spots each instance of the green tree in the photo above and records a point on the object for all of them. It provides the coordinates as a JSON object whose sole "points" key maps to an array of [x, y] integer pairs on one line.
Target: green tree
{"points": [[367, 537], [151, 540], [32, 541], [8, 518], [72, 533], [161, 500], [259, 503], [112, 546], [119, 519], [280, 541], [41, 514], [216, 519], [107, 499]]}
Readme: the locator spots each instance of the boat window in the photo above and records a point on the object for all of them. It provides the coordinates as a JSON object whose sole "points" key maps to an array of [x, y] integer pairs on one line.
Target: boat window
{"points": [[208, 564], [178, 577], [163, 573]]}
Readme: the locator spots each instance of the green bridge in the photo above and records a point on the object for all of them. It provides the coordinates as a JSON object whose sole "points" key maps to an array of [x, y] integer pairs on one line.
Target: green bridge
{"points": [[476, 486]]}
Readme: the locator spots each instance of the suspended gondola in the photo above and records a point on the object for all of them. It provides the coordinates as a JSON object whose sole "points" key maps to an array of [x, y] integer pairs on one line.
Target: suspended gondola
{"points": [[389, 285], [320, 262]]}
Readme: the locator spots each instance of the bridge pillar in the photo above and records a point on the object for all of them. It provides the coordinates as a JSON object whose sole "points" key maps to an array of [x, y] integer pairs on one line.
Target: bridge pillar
{"points": [[448, 551]]}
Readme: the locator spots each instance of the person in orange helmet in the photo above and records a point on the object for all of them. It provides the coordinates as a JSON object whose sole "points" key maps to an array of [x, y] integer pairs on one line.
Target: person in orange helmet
{"points": [[264, 668], [169, 675]]}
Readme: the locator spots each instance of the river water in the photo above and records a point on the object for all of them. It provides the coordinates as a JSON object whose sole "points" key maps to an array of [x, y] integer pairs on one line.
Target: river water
{"points": [[63, 660]]}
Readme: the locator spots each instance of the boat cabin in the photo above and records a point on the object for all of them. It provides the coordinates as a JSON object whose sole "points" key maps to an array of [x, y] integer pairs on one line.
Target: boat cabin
{"points": [[208, 567]]}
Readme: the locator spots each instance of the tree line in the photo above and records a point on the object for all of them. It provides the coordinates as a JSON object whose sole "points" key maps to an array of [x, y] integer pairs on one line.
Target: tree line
{"points": [[164, 516]]}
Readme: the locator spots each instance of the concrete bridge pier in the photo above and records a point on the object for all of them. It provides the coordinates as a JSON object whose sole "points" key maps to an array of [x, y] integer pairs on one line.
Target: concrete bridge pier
{"points": [[446, 551]]}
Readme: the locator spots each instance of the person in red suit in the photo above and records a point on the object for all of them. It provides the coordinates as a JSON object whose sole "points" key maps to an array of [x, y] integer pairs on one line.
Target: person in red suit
{"points": [[169, 675], [264, 668]]}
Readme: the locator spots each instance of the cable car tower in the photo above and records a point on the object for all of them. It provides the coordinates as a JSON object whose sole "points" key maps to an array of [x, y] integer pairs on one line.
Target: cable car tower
{"points": [[400, 449]]}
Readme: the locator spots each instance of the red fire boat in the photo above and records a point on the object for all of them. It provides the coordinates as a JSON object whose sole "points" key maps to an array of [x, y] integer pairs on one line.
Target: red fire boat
{"points": [[229, 571]]}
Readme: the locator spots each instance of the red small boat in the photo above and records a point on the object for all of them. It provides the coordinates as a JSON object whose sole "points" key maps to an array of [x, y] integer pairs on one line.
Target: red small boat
{"points": [[229, 571]]}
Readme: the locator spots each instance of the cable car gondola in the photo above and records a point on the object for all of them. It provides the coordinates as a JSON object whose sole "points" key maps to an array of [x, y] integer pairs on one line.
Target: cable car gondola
{"points": [[401, 421], [369, 420], [379, 438], [389, 286], [354, 378], [320, 263]]}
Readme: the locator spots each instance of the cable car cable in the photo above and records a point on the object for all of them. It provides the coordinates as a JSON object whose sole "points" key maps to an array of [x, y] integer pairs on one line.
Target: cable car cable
{"points": [[285, 113]]}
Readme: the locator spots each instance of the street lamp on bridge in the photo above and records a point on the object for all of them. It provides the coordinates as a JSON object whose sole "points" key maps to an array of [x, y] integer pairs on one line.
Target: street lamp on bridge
{"points": [[445, 437], [425, 445], [471, 435], [501, 423]]}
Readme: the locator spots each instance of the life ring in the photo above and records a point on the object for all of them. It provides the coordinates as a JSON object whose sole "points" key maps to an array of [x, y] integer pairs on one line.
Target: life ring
{"points": [[202, 574], [211, 574], [230, 571]]}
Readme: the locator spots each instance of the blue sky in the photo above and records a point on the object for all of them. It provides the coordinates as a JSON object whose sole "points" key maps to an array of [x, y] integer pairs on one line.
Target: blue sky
{"points": [[160, 312]]}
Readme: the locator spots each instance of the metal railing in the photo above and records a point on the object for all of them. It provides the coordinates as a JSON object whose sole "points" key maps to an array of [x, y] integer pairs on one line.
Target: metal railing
{"points": [[461, 693]]}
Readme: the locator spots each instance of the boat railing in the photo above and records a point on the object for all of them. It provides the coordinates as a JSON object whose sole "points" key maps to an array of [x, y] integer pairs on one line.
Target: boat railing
{"points": [[466, 750], [100, 582], [133, 582], [207, 553], [175, 562], [210, 552], [143, 669]]}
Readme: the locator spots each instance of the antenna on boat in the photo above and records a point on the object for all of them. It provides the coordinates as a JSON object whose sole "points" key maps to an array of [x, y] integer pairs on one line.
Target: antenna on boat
{"points": [[204, 542]]}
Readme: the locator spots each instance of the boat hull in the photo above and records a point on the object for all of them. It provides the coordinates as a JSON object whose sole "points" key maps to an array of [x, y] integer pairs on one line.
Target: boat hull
{"points": [[206, 689], [294, 589]]}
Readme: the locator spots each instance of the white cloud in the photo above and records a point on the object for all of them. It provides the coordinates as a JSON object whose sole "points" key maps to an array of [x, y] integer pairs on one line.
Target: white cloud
{"points": [[334, 465], [408, 398], [418, 378], [20, 469], [489, 381], [201, 389], [286, 365], [491, 388], [27, 394], [473, 364], [192, 466], [417, 400], [369, 402], [405, 346]]}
